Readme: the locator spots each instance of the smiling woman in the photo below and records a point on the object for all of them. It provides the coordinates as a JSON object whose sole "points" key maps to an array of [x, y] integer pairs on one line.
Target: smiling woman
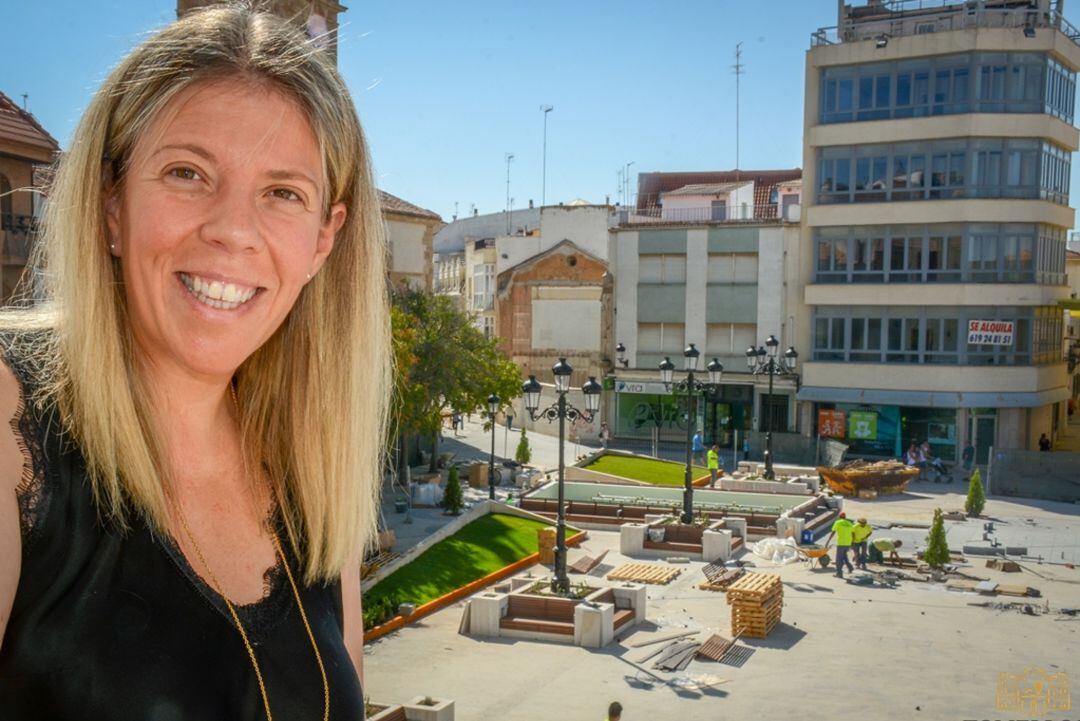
{"points": [[197, 407]]}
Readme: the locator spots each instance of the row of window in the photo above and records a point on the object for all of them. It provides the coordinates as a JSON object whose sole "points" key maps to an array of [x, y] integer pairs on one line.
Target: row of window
{"points": [[960, 253], [721, 339], [944, 169], [948, 84], [938, 335], [668, 268]]}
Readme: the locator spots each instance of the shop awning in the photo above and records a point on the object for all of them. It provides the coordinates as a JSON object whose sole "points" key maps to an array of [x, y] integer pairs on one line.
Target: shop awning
{"points": [[1072, 304], [929, 399]]}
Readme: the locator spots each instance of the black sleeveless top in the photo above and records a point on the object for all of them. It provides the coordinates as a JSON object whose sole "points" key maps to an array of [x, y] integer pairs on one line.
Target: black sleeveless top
{"points": [[117, 626]]}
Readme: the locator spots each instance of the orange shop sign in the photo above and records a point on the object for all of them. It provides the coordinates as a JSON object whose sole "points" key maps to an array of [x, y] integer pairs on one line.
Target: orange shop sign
{"points": [[831, 424]]}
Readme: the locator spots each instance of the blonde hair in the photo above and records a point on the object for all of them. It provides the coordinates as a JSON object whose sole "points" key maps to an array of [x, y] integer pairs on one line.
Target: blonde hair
{"points": [[313, 399]]}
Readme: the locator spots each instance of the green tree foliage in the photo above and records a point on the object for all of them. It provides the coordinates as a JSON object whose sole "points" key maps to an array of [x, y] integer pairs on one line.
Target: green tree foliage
{"points": [[523, 454], [976, 497], [443, 361], [937, 547], [452, 501]]}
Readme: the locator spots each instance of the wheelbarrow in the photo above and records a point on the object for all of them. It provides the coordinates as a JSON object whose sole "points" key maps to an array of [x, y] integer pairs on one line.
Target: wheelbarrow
{"points": [[813, 553]]}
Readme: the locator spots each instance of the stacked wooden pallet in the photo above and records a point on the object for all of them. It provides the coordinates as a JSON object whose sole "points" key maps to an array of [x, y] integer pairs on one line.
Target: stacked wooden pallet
{"points": [[644, 573], [756, 600]]}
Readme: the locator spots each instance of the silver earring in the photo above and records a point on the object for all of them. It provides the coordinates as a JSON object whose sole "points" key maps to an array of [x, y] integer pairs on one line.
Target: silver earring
{"points": [[112, 247]]}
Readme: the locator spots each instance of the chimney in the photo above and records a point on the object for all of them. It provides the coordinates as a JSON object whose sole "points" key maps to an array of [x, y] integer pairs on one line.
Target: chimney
{"points": [[530, 203], [475, 212]]}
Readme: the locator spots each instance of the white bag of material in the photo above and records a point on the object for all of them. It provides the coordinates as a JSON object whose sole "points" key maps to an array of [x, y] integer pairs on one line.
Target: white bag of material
{"points": [[777, 550]]}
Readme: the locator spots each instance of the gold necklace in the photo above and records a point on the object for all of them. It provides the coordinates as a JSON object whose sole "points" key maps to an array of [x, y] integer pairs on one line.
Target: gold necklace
{"points": [[236, 617]]}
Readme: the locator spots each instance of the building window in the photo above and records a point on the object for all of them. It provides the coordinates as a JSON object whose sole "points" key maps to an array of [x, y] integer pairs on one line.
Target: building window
{"points": [[969, 253], [948, 84], [483, 286], [661, 338], [662, 269], [936, 335]]}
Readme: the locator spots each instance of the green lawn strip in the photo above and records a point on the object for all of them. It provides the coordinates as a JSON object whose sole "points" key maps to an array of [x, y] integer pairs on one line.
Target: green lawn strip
{"points": [[649, 470], [482, 547]]}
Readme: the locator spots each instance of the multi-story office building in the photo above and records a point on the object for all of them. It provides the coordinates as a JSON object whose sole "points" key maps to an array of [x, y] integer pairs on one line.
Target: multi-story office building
{"points": [[937, 148]]}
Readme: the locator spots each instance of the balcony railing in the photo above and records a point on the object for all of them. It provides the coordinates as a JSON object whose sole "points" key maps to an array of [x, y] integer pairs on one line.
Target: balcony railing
{"points": [[897, 18], [745, 214]]}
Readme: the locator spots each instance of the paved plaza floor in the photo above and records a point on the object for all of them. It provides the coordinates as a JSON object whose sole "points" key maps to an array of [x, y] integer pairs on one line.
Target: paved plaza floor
{"points": [[917, 651]]}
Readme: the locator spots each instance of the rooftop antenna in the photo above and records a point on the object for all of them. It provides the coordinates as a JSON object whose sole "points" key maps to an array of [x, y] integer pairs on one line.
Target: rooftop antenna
{"points": [[737, 69], [455, 210], [545, 109], [509, 201]]}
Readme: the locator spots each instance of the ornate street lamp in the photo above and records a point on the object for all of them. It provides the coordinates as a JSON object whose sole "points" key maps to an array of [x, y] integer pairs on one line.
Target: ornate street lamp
{"points": [[561, 411], [692, 387], [493, 408], [765, 362]]}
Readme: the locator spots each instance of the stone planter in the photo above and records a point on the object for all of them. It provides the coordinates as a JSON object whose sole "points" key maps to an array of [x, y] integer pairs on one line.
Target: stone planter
{"points": [[383, 712], [426, 708]]}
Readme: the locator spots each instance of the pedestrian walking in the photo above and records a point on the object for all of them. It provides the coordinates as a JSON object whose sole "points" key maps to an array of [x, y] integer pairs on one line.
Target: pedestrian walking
{"points": [[697, 446], [746, 448], [714, 464], [968, 456], [841, 528], [1044, 443], [605, 435], [860, 534]]}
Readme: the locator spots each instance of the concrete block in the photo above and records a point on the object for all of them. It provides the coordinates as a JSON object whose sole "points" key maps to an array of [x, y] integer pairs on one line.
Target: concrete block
{"points": [[485, 612], [716, 545], [594, 625], [631, 539], [737, 526], [425, 708], [787, 526]]}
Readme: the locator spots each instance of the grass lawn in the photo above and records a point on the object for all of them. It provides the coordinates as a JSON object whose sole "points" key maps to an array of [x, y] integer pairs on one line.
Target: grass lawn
{"points": [[649, 470], [485, 545]]}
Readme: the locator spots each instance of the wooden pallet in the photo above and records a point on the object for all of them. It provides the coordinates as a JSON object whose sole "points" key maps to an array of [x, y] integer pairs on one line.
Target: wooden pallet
{"points": [[715, 648], [755, 630], [586, 563], [721, 580], [373, 565], [645, 573], [755, 588]]}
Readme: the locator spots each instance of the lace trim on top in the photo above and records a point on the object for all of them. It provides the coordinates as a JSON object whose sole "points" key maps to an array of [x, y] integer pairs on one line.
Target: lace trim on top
{"points": [[30, 491]]}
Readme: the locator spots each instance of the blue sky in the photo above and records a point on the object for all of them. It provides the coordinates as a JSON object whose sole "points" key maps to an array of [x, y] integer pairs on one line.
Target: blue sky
{"points": [[446, 89]]}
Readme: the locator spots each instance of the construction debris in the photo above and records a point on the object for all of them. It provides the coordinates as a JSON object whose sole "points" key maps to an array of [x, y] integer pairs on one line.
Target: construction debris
{"points": [[677, 656], [586, 563], [718, 577], [1001, 564], [715, 648], [661, 639]]}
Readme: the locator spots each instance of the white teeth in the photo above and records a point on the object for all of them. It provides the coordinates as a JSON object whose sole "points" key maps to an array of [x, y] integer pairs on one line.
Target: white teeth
{"points": [[223, 296]]}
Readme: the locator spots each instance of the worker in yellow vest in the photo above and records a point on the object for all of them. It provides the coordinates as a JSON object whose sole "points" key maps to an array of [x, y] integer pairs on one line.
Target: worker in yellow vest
{"points": [[841, 528], [860, 533], [713, 457]]}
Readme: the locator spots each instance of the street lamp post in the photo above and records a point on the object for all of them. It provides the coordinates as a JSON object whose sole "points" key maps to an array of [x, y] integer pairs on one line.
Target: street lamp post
{"points": [[691, 386], [561, 411], [493, 408], [766, 362]]}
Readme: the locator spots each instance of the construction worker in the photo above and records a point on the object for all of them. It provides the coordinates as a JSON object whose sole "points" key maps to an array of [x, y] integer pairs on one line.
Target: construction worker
{"points": [[842, 529], [880, 546], [860, 532], [713, 457]]}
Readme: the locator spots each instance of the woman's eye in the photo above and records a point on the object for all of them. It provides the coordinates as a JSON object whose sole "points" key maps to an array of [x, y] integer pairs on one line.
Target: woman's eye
{"points": [[184, 173], [284, 194]]}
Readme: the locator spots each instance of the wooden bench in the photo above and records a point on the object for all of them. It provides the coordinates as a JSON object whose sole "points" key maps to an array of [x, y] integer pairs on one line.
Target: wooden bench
{"points": [[622, 616], [541, 615], [397, 714], [677, 537]]}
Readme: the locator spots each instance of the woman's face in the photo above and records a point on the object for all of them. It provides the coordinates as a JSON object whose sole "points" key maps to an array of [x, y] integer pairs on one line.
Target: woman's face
{"points": [[218, 225]]}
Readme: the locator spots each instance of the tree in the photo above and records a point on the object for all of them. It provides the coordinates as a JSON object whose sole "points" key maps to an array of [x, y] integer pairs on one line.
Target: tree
{"points": [[976, 497], [937, 547], [523, 454], [448, 364], [452, 501]]}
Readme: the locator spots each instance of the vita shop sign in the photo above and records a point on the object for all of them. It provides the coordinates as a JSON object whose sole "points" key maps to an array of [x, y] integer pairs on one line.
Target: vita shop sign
{"points": [[990, 332]]}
